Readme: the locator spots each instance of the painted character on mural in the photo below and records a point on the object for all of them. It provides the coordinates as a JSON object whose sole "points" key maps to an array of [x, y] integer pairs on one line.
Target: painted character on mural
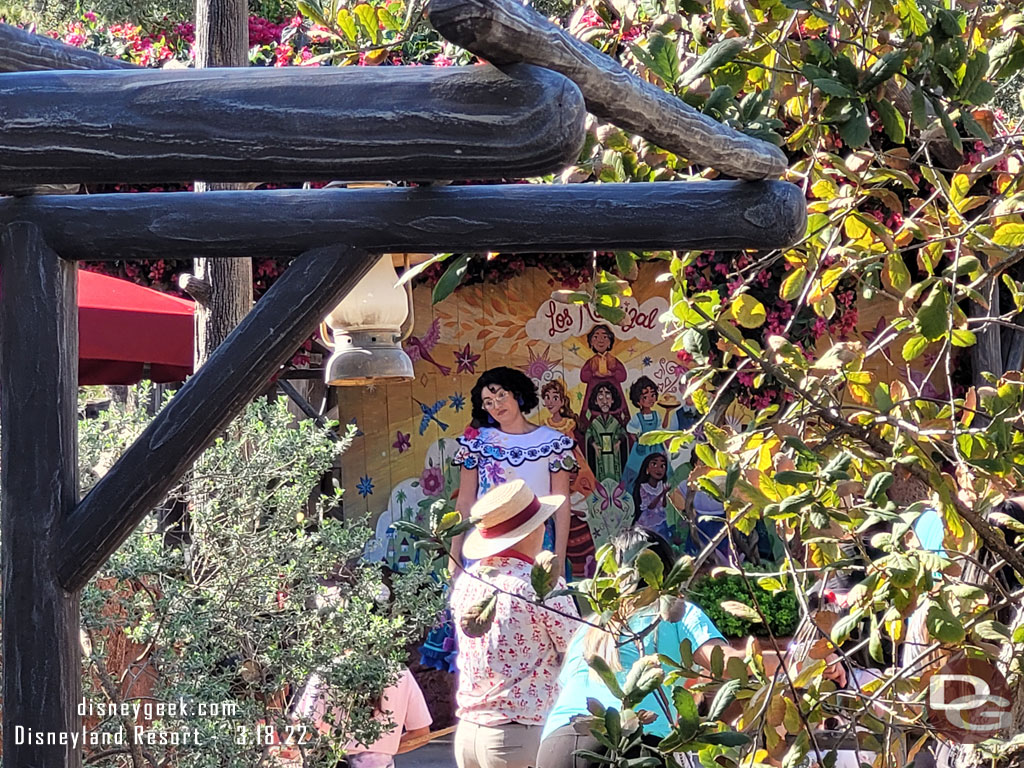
{"points": [[501, 445], [602, 368], [643, 393], [607, 441], [650, 495], [580, 549]]}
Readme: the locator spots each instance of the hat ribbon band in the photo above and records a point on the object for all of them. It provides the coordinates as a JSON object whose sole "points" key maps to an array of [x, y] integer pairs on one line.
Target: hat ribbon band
{"points": [[505, 526]]}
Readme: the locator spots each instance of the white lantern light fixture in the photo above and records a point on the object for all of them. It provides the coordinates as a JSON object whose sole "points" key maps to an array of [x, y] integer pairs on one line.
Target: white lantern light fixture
{"points": [[368, 327]]}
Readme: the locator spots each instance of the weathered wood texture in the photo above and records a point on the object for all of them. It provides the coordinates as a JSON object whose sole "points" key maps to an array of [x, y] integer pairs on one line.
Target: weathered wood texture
{"points": [[287, 125], [21, 51], [222, 40], [506, 31], [39, 482], [230, 299], [238, 370], [222, 33], [506, 218]]}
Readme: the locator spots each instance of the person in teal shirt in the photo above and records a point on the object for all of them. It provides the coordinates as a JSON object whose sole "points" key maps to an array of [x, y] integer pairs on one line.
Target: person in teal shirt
{"points": [[559, 739]]}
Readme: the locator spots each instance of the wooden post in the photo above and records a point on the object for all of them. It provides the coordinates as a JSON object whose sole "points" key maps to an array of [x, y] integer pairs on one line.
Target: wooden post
{"points": [[38, 489], [238, 370], [554, 218], [222, 33], [222, 40]]}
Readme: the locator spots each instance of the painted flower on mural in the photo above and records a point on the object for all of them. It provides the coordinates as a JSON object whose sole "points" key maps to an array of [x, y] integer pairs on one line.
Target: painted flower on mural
{"points": [[646, 361], [432, 481], [539, 365], [365, 486], [458, 401], [877, 332], [466, 360], [402, 441]]}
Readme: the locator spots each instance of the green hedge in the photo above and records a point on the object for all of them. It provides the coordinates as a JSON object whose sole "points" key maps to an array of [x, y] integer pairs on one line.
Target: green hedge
{"points": [[780, 608]]}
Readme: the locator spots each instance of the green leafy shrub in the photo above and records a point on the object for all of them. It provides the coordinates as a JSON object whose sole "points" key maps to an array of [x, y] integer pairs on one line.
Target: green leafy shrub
{"points": [[267, 588], [780, 608]]}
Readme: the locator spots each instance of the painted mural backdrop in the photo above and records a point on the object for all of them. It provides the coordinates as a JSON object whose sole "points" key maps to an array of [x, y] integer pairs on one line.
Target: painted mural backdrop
{"points": [[601, 383]]}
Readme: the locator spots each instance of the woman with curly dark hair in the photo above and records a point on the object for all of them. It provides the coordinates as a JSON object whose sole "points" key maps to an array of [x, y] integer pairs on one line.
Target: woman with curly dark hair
{"points": [[501, 445]]}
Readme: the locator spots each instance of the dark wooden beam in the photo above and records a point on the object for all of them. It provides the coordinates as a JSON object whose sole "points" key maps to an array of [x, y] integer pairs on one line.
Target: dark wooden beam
{"points": [[506, 218], [38, 489], [287, 125], [236, 372], [21, 51], [507, 31]]}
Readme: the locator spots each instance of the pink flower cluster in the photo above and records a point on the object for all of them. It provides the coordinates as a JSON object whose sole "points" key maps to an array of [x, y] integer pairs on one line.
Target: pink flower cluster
{"points": [[777, 317], [591, 18], [264, 32]]}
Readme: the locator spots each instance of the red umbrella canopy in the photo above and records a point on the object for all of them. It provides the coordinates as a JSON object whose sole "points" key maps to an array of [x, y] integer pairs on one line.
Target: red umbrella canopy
{"points": [[127, 332]]}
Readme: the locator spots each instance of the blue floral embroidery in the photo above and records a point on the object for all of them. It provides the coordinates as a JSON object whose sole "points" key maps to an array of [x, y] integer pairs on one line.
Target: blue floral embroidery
{"points": [[474, 449]]}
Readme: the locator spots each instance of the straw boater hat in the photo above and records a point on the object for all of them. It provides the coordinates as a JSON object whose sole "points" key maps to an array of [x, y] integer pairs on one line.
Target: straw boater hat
{"points": [[504, 516]]}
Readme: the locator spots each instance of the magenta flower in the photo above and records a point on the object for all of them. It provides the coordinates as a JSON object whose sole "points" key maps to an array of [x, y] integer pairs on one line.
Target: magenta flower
{"points": [[402, 441], [466, 360], [432, 481]]}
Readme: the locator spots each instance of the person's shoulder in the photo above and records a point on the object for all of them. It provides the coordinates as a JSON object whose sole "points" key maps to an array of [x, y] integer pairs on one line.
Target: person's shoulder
{"points": [[509, 573], [473, 437]]}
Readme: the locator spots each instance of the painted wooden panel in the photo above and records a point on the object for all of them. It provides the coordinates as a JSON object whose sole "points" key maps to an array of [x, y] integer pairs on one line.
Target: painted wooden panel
{"points": [[400, 463]]}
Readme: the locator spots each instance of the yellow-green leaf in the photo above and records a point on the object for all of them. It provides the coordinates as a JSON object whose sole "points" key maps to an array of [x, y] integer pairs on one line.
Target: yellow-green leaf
{"points": [[368, 20], [932, 318], [740, 610], [347, 24], [748, 311], [964, 338], [899, 275], [793, 284], [913, 347], [1009, 235], [312, 12]]}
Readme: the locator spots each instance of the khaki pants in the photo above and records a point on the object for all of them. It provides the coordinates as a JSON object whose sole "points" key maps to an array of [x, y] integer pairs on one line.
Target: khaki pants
{"points": [[502, 746]]}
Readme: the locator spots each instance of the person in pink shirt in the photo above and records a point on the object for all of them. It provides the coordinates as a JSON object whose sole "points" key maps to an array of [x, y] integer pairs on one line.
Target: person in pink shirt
{"points": [[401, 704], [508, 673]]}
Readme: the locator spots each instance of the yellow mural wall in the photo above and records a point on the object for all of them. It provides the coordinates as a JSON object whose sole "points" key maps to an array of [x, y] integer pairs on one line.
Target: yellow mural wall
{"points": [[407, 432], [400, 461]]}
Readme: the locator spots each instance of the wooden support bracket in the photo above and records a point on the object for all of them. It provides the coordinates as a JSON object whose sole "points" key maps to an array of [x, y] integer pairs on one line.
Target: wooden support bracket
{"points": [[234, 374], [508, 218], [287, 125], [506, 31]]}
